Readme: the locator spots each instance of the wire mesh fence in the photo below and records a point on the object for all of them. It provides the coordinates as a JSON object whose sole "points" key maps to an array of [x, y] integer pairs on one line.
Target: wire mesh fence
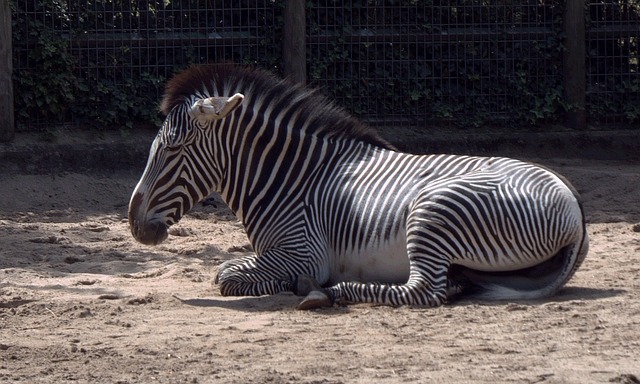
{"points": [[613, 58], [95, 61], [465, 63]]}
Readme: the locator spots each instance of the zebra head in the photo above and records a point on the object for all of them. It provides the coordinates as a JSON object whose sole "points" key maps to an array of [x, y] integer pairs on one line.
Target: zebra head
{"points": [[181, 169]]}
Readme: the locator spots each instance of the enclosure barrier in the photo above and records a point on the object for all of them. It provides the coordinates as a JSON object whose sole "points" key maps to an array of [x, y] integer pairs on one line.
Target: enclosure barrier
{"points": [[7, 127], [460, 62]]}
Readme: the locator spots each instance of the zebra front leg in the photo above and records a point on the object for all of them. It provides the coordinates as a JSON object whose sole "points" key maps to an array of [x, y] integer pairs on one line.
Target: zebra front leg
{"points": [[248, 276]]}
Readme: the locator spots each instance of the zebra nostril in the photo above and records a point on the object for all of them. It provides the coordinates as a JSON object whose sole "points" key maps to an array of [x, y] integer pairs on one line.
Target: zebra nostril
{"points": [[160, 233], [149, 232], [154, 232]]}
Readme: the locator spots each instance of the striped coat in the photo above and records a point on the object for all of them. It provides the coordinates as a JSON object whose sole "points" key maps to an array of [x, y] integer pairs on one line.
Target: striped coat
{"points": [[335, 213]]}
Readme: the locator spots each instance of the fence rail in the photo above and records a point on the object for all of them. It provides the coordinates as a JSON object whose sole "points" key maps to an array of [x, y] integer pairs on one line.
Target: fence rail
{"points": [[463, 62]]}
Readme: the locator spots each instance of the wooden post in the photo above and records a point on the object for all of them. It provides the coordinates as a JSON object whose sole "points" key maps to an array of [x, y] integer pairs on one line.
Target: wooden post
{"points": [[294, 41], [7, 128], [575, 76]]}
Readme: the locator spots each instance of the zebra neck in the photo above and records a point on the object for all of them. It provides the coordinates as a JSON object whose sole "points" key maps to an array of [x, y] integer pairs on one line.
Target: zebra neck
{"points": [[271, 177]]}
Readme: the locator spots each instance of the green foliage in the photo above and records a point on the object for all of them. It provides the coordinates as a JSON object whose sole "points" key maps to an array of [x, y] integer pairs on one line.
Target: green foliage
{"points": [[631, 105], [120, 105], [103, 63], [624, 99], [50, 90], [50, 87], [468, 63], [613, 62], [450, 61]]}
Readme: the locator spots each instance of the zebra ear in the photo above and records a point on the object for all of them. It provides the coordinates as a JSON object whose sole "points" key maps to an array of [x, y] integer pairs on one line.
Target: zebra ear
{"points": [[215, 108]]}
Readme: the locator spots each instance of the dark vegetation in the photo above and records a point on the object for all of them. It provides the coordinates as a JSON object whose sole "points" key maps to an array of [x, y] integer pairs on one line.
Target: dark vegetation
{"points": [[103, 63]]}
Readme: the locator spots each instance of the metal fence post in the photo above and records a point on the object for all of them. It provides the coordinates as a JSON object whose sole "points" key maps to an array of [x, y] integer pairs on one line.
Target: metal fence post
{"points": [[7, 128], [294, 41], [574, 64]]}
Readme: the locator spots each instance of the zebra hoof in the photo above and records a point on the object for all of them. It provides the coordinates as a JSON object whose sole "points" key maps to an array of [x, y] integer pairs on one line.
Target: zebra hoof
{"points": [[306, 284], [315, 299]]}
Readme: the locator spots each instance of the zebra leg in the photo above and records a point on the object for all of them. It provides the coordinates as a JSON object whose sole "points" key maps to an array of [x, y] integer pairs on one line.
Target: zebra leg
{"points": [[248, 276], [315, 295], [426, 287], [429, 262], [453, 288]]}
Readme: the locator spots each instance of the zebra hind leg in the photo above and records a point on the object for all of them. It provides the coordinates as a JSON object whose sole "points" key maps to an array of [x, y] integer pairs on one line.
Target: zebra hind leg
{"points": [[414, 293], [417, 291], [422, 289], [429, 283], [458, 284], [315, 295]]}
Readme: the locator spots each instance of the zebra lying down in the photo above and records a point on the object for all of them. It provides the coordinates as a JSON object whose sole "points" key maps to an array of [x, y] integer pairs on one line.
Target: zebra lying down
{"points": [[336, 214]]}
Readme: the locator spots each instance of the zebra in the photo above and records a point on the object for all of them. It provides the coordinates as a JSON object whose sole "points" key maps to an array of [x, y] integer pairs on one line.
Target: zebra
{"points": [[336, 214]]}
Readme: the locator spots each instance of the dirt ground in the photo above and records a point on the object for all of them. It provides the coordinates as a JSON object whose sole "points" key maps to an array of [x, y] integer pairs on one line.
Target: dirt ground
{"points": [[81, 301]]}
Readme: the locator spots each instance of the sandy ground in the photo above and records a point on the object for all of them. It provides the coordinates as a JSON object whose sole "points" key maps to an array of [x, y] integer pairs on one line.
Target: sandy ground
{"points": [[82, 302]]}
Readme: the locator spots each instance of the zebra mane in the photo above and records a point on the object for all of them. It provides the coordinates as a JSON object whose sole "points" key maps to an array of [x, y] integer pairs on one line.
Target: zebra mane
{"points": [[325, 118]]}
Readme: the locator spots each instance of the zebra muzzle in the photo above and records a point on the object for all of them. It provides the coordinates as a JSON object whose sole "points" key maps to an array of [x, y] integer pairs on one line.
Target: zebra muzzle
{"points": [[149, 233], [146, 231]]}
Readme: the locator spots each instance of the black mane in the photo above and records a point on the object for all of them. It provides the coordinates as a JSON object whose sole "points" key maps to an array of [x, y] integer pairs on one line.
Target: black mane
{"points": [[326, 118]]}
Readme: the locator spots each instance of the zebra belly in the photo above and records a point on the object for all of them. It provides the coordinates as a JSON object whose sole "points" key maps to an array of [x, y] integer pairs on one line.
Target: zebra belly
{"points": [[386, 262]]}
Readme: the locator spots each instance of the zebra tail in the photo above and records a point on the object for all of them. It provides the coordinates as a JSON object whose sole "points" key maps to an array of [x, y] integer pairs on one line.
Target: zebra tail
{"points": [[541, 281]]}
